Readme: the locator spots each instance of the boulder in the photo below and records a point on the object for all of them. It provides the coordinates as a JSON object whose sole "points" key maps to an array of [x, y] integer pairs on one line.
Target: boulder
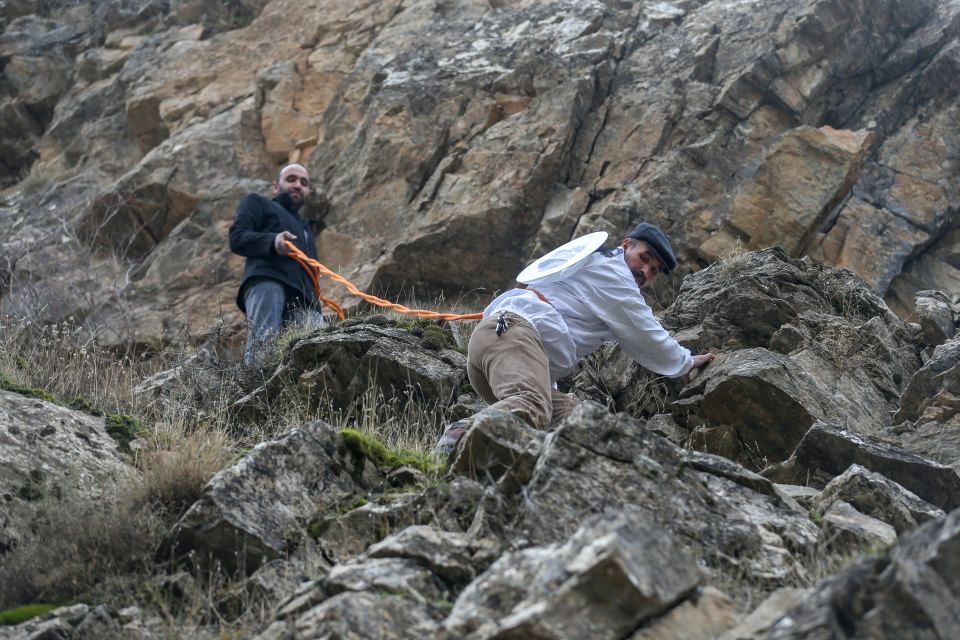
{"points": [[616, 571], [767, 399], [756, 624], [357, 615], [596, 461], [908, 591], [827, 450], [844, 529], [344, 535], [455, 557], [341, 363], [254, 511], [50, 452], [927, 421], [401, 576], [705, 615], [497, 443], [877, 496], [937, 322]]}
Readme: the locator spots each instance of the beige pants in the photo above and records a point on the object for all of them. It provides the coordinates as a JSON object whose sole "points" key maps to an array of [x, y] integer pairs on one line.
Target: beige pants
{"points": [[512, 373]]}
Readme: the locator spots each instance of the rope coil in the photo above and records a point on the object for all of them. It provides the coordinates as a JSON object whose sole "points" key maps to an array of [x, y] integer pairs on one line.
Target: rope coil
{"points": [[315, 271]]}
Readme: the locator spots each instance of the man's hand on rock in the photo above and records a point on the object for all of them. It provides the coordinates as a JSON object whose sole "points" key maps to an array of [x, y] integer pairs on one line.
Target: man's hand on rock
{"points": [[699, 362], [280, 243]]}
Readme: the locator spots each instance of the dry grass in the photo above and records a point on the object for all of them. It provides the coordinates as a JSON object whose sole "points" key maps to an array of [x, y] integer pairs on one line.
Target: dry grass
{"points": [[77, 544], [103, 550]]}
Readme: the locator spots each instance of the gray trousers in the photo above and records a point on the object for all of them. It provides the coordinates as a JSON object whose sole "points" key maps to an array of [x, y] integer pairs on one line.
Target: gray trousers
{"points": [[512, 372], [268, 309]]}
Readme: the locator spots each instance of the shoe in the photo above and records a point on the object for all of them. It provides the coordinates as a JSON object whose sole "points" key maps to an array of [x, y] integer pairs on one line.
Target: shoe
{"points": [[447, 443]]}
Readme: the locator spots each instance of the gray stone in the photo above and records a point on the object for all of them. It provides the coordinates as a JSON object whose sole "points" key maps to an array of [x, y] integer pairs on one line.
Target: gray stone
{"points": [[49, 452], [596, 461], [455, 557], [875, 495], [936, 317], [495, 444], [451, 506], [804, 496], [339, 364], [705, 615], [400, 576], [357, 615], [827, 450], [907, 592], [616, 571], [757, 623], [844, 529], [254, 511]]}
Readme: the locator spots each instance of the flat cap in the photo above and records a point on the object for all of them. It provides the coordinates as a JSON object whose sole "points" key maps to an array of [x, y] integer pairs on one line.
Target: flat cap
{"points": [[657, 242]]}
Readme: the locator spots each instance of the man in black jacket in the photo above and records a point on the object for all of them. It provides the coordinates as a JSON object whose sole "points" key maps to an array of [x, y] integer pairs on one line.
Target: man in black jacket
{"points": [[275, 288]]}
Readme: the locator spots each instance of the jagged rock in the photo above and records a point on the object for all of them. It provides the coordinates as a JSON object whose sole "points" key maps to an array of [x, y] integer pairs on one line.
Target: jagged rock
{"points": [[804, 496], [798, 342], [908, 592], [758, 622], [595, 461], [50, 452], [703, 616], [752, 390], [270, 584], [253, 511], [843, 528], [616, 571], [752, 123], [875, 495], [927, 420], [455, 557], [827, 450], [802, 192], [495, 444], [341, 363], [400, 576], [344, 535], [357, 615], [936, 317]]}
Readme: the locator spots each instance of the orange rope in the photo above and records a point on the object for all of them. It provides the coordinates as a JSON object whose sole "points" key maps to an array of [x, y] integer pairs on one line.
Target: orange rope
{"points": [[314, 270]]}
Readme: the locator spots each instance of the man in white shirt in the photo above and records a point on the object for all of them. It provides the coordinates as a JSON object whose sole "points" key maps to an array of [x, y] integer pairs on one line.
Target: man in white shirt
{"points": [[529, 338]]}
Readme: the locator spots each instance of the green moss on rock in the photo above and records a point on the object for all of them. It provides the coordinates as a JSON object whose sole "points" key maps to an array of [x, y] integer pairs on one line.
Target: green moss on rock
{"points": [[386, 458], [9, 384], [24, 613], [123, 428]]}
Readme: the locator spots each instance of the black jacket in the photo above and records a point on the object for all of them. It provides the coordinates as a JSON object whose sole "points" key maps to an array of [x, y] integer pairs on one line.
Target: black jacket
{"points": [[255, 225]]}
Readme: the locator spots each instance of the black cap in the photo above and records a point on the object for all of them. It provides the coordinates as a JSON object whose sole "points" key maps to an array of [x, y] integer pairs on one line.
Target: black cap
{"points": [[657, 242]]}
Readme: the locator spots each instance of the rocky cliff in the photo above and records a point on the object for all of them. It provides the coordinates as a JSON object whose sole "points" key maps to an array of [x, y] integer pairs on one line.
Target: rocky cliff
{"points": [[804, 485], [452, 140]]}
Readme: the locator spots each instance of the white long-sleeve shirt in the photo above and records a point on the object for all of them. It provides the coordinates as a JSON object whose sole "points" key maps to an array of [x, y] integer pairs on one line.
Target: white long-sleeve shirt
{"points": [[600, 302]]}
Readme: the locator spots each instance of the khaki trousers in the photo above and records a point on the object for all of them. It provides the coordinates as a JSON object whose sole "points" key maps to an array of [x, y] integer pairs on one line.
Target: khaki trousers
{"points": [[512, 373]]}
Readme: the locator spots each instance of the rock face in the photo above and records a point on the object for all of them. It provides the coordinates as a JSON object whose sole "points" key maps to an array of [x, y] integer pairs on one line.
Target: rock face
{"points": [[615, 572], [49, 452], [798, 343], [440, 134], [250, 512], [908, 592], [338, 364]]}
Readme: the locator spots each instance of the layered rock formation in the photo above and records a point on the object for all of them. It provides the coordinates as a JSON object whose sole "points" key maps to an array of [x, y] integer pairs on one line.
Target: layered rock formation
{"points": [[452, 141], [605, 527]]}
